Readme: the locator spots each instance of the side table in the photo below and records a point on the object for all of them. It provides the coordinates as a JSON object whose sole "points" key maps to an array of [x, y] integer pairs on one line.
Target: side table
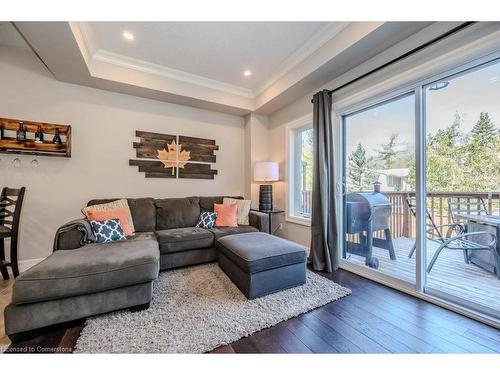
{"points": [[270, 214]]}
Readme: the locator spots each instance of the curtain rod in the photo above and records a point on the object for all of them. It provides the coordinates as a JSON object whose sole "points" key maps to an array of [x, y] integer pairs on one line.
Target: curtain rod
{"points": [[405, 55]]}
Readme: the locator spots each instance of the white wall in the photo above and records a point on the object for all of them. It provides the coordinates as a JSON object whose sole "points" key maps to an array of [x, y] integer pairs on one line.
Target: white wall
{"points": [[278, 152], [103, 127], [257, 149]]}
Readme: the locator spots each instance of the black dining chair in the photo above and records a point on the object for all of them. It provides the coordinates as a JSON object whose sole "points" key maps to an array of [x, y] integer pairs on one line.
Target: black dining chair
{"points": [[468, 205], [11, 201], [456, 238]]}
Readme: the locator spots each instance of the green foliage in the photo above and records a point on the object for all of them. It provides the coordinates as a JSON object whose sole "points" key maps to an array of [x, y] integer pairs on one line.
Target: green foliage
{"points": [[388, 153], [482, 159], [360, 175], [466, 163], [307, 157], [483, 134]]}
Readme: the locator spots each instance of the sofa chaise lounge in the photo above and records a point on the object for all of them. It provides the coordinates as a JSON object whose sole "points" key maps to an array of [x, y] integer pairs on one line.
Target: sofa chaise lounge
{"points": [[79, 280]]}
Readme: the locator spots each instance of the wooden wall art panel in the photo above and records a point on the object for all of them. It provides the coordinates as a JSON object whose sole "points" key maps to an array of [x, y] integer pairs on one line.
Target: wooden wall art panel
{"points": [[174, 156]]}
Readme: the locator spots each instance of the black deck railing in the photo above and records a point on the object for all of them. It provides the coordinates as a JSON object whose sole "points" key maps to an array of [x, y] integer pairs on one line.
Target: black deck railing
{"points": [[402, 223]]}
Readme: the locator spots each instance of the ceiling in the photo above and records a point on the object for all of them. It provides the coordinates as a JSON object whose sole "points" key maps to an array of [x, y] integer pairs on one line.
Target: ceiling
{"points": [[215, 50], [202, 64], [10, 37]]}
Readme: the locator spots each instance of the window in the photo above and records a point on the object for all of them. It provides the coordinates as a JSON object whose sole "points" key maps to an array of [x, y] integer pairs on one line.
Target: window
{"points": [[435, 152], [301, 153], [379, 146], [462, 120]]}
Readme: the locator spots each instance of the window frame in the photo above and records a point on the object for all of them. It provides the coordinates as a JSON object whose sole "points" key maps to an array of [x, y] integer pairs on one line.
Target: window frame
{"points": [[292, 172], [360, 102]]}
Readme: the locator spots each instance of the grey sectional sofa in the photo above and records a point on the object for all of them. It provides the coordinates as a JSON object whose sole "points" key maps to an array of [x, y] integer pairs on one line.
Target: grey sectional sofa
{"points": [[79, 279]]}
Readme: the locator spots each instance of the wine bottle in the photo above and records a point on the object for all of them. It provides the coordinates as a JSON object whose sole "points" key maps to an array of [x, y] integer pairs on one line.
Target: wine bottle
{"points": [[39, 134], [21, 133], [57, 138]]}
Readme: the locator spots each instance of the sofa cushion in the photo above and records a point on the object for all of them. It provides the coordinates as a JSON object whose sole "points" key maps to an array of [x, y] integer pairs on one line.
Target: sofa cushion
{"points": [[120, 203], [142, 210], [227, 215], [181, 239], [207, 203], [139, 236], [120, 214], [177, 212], [107, 230], [255, 252], [225, 231], [243, 209], [207, 220], [89, 269]]}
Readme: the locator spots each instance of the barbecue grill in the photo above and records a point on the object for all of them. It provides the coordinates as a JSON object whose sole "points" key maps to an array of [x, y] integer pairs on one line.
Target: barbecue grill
{"points": [[367, 213]]}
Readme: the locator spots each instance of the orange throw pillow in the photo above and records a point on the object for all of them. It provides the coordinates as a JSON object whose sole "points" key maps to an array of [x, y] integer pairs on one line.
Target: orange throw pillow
{"points": [[227, 215], [116, 213]]}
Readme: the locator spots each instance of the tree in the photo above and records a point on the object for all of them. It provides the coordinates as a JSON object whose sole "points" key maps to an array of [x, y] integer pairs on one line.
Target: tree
{"points": [[388, 153], [463, 163], [482, 157], [448, 138], [360, 175], [307, 158], [445, 155], [483, 134]]}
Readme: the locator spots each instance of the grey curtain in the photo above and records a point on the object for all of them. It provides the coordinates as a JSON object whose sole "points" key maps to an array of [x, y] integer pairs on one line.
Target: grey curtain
{"points": [[324, 254]]}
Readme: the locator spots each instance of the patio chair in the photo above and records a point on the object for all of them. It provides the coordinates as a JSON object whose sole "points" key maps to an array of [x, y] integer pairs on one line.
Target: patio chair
{"points": [[469, 205], [460, 241]]}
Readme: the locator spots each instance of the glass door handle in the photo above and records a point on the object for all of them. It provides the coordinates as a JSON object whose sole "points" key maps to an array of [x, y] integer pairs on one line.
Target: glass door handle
{"points": [[340, 188]]}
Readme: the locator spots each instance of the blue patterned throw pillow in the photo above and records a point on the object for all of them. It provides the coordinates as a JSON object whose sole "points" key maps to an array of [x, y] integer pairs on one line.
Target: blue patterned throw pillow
{"points": [[107, 230], [207, 220]]}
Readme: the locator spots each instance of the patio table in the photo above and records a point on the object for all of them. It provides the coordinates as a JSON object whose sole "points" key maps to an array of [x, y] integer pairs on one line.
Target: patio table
{"points": [[482, 223]]}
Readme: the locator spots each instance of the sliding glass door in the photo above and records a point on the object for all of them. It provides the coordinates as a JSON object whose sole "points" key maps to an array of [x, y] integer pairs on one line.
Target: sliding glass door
{"points": [[446, 243], [379, 161], [462, 120]]}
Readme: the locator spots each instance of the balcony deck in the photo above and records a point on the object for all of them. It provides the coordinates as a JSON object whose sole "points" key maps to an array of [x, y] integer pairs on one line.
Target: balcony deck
{"points": [[450, 273]]}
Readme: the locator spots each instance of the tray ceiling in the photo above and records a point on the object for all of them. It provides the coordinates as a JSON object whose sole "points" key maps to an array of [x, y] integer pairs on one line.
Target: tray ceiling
{"points": [[202, 64]]}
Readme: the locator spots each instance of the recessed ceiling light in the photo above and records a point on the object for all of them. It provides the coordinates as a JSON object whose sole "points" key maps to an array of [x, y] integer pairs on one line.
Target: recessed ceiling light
{"points": [[247, 73], [128, 36]]}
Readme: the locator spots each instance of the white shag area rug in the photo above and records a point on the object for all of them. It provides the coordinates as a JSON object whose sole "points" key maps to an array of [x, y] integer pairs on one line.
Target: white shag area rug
{"points": [[197, 309]]}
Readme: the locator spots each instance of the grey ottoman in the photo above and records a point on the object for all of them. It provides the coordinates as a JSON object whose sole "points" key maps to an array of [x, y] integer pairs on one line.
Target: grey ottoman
{"points": [[259, 263]]}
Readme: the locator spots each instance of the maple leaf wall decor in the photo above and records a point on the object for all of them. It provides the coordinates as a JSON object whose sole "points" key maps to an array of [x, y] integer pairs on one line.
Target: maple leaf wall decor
{"points": [[160, 154], [174, 156]]}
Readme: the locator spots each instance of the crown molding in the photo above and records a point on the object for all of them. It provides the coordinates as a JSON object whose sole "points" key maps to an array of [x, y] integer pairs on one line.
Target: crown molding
{"points": [[314, 43], [77, 28], [165, 72]]}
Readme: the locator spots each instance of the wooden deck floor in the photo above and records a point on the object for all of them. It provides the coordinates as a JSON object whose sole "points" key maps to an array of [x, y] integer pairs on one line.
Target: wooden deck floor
{"points": [[450, 274]]}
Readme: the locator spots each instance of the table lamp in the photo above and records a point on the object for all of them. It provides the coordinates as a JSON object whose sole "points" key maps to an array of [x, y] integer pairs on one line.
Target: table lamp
{"points": [[266, 171]]}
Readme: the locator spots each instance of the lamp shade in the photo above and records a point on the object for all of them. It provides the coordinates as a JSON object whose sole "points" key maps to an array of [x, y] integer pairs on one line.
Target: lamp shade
{"points": [[266, 171]]}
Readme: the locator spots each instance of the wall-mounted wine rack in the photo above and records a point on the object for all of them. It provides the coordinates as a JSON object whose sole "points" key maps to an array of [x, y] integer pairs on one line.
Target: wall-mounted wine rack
{"points": [[9, 143]]}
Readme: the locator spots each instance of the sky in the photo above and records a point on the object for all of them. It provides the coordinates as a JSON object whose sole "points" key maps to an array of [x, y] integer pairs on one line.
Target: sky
{"points": [[469, 94]]}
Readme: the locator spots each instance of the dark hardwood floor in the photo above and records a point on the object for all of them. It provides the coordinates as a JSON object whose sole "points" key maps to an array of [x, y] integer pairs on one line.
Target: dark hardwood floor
{"points": [[373, 319]]}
